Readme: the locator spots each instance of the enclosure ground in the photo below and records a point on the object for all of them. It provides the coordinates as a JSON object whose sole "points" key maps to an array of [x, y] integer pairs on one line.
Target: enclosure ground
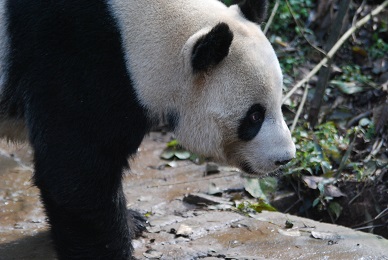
{"points": [[177, 230]]}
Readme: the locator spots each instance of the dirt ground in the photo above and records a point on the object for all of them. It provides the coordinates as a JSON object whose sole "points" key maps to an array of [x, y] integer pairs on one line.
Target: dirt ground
{"points": [[178, 229]]}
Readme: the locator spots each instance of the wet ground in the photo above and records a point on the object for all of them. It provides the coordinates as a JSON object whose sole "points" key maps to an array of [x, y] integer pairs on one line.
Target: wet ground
{"points": [[178, 230]]}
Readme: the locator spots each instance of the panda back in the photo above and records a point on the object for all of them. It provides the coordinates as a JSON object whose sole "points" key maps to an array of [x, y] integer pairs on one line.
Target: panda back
{"points": [[65, 65]]}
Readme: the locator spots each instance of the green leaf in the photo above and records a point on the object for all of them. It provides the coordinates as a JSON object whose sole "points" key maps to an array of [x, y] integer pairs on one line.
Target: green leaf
{"points": [[365, 122], [316, 201], [325, 166], [260, 206], [370, 168], [252, 186], [335, 208], [174, 143], [168, 153], [348, 88], [241, 206], [182, 154], [268, 184], [321, 188], [261, 188]]}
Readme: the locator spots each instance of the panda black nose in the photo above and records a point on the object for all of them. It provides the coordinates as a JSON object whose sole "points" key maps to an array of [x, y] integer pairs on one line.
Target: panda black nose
{"points": [[278, 163]]}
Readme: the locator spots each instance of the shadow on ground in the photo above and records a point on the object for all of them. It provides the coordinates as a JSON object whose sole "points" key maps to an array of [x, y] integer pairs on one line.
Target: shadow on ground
{"points": [[36, 247]]}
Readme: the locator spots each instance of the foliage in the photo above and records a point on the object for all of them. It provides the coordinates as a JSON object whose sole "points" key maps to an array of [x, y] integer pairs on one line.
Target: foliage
{"points": [[379, 48], [353, 73], [284, 29], [351, 142], [317, 150], [175, 151], [259, 206], [283, 21], [336, 150], [261, 188], [288, 63], [324, 157]]}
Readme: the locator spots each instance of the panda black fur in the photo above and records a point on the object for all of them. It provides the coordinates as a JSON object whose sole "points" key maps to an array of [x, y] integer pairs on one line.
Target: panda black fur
{"points": [[86, 78]]}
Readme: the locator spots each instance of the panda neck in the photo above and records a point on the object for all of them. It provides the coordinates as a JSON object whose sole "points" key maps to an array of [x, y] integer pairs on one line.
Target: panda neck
{"points": [[153, 47]]}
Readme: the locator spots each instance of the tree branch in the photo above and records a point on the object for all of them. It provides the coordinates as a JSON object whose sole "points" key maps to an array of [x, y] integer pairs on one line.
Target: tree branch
{"points": [[324, 74], [335, 48], [270, 20]]}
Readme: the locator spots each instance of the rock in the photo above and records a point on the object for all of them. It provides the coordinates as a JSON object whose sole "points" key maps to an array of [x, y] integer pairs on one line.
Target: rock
{"points": [[325, 235], [204, 200], [184, 230], [153, 254], [211, 168]]}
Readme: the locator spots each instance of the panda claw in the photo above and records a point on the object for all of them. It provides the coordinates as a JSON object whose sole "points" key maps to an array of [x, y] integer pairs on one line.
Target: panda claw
{"points": [[137, 223]]}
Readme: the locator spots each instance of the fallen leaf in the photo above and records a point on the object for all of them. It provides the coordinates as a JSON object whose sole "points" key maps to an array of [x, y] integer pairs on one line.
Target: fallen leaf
{"points": [[313, 181], [360, 51], [333, 191]]}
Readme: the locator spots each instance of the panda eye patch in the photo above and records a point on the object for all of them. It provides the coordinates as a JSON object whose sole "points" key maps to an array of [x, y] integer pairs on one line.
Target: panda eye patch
{"points": [[250, 124]]}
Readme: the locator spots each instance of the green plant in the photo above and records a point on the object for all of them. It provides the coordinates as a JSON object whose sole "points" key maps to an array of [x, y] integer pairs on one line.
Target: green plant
{"points": [[288, 63], [324, 201], [175, 151], [247, 207], [351, 73], [317, 150], [283, 21]]}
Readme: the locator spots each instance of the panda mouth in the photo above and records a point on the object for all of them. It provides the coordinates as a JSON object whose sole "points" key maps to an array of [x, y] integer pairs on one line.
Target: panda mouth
{"points": [[248, 170]]}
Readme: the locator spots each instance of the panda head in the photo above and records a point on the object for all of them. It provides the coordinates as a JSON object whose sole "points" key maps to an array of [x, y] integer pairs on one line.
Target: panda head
{"points": [[231, 110]]}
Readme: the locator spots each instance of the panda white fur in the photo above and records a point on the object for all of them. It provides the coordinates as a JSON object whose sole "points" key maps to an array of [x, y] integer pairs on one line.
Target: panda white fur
{"points": [[86, 80]]}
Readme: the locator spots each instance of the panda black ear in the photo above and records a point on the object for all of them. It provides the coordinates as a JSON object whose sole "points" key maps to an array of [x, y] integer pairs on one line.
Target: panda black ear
{"points": [[253, 10], [211, 48]]}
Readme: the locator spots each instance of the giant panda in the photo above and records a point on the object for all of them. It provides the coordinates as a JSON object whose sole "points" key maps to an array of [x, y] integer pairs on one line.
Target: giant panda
{"points": [[85, 80]]}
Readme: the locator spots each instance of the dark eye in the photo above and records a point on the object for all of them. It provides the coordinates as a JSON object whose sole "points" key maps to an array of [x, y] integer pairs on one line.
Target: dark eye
{"points": [[256, 117], [250, 124]]}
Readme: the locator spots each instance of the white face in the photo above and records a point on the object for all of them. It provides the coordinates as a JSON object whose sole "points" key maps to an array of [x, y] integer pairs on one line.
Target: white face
{"points": [[232, 112]]}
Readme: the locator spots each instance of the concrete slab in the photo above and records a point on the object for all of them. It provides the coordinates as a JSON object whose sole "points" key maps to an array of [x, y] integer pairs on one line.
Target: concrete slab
{"points": [[178, 230]]}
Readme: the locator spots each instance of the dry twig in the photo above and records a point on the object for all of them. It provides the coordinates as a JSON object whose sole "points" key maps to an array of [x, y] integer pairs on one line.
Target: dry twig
{"points": [[324, 74], [302, 30], [336, 47], [300, 109], [270, 20], [359, 10]]}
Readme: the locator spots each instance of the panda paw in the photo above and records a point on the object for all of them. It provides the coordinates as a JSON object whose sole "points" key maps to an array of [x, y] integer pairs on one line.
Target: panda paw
{"points": [[136, 222]]}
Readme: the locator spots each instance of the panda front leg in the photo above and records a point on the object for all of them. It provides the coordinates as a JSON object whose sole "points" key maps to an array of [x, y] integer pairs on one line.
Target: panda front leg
{"points": [[88, 215], [80, 184]]}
